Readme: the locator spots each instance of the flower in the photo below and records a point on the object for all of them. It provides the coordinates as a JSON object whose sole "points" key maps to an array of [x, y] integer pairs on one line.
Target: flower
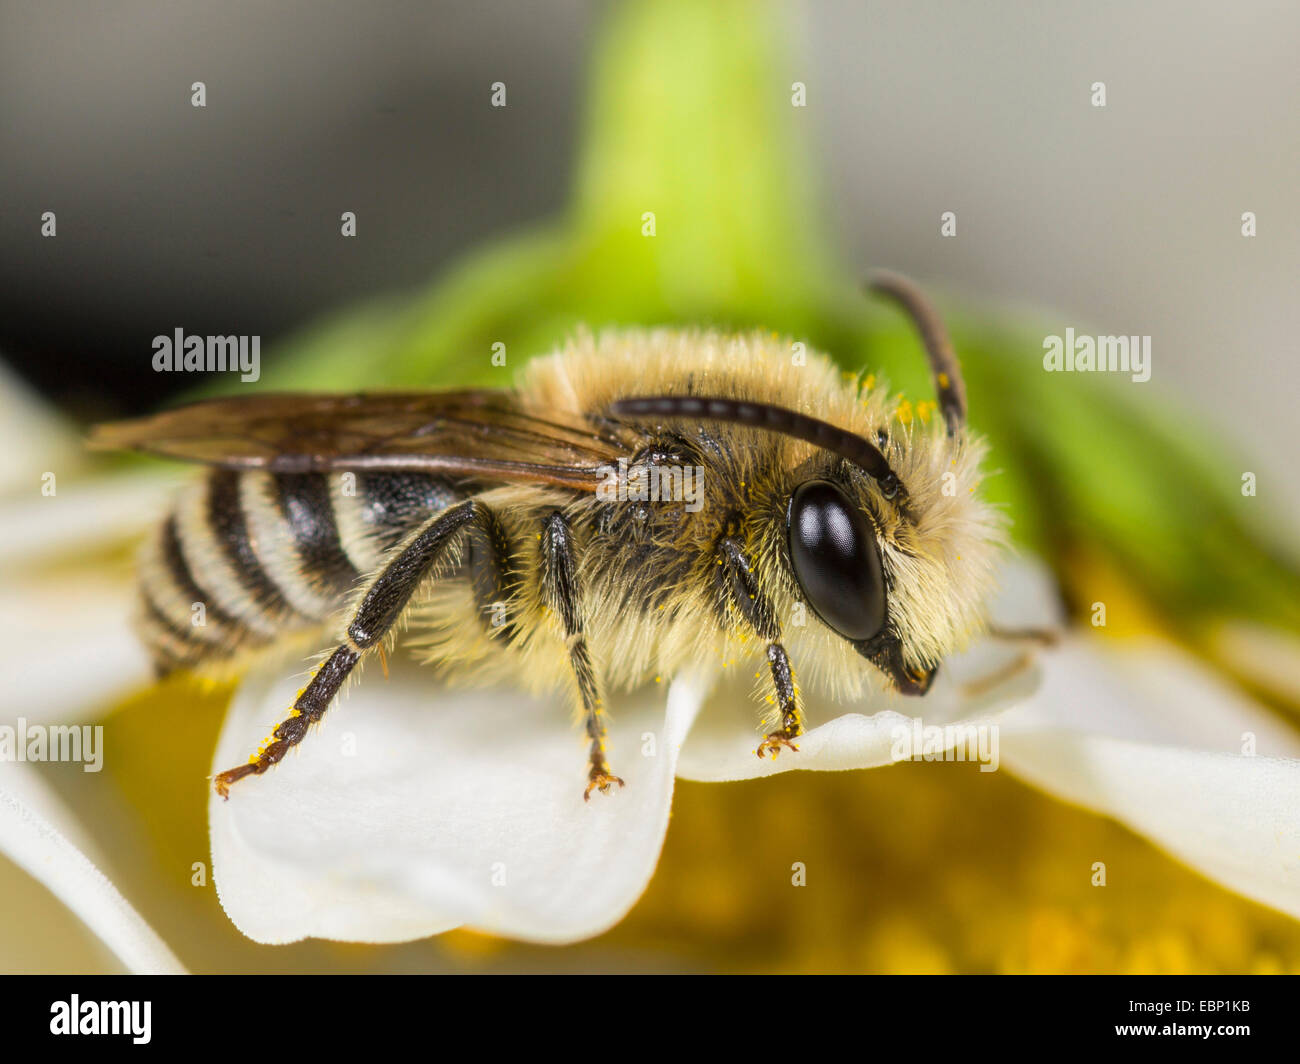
{"points": [[418, 810], [46, 614], [415, 810]]}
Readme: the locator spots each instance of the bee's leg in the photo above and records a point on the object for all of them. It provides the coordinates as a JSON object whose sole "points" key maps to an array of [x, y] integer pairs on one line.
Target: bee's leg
{"points": [[787, 702], [739, 587], [1046, 637], [1028, 638], [380, 607], [493, 575], [981, 684], [564, 596]]}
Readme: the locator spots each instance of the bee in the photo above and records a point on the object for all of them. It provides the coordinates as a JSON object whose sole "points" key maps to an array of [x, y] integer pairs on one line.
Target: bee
{"points": [[640, 502]]}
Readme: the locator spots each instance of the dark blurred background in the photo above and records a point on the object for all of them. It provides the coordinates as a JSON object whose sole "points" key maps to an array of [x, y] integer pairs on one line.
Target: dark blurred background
{"points": [[225, 219]]}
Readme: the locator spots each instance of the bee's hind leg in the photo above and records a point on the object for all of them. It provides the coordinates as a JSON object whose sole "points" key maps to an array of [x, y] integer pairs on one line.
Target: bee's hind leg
{"points": [[564, 596], [308, 708], [383, 603], [739, 588]]}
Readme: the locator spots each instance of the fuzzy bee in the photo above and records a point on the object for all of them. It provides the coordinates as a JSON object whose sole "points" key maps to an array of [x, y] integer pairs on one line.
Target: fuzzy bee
{"points": [[641, 502]]}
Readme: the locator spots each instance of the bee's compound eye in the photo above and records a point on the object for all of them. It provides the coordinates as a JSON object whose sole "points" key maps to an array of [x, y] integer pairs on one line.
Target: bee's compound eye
{"points": [[836, 560]]}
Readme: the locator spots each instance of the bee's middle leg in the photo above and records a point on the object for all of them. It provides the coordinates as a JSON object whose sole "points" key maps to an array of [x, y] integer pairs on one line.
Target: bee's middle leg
{"points": [[383, 603], [564, 596], [740, 588]]}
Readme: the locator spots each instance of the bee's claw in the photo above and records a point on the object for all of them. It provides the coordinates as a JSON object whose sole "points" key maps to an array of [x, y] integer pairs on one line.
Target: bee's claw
{"points": [[774, 742], [600, 779], [222, 781]]}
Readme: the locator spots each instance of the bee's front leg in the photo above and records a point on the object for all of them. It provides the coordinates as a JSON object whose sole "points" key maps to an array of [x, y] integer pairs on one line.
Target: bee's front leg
{"points": [[564, 596], [739, 588], [787, 702]]}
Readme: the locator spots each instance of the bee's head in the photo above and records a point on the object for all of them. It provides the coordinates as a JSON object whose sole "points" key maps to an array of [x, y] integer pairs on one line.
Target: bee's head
{"points": [[886, 551]]}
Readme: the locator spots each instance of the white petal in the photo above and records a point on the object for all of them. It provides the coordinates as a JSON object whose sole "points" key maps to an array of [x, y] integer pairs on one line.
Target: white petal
{"points": [[86, 514], [34, 844], [1268, 655], [1148, 736], [22, 782], [457, 808], [973, 688], [722, 745], [67, 641], [67, 646], [64, 648], [35, 439], [1149, 692]]}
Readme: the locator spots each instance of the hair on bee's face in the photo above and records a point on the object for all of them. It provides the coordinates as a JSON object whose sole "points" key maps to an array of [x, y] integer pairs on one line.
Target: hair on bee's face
{"points": [[834, 553]]}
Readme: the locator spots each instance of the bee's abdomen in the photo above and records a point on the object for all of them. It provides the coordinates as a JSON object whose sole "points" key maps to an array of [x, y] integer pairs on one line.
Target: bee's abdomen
{"points": [[183, 622], [249, 557]]}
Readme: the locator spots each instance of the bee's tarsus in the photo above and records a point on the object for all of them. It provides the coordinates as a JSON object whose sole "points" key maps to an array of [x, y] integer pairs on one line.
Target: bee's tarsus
{"points": [[600, 780], [775, 741], [222, 782]]}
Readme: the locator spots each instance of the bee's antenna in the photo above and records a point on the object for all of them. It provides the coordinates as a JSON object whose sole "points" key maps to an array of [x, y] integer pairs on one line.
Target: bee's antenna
{"points": [[943, 362], [774, 418]]}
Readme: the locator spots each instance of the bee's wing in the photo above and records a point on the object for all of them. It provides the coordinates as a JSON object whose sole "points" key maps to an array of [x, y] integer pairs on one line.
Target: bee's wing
{"points": [[484, 435]]}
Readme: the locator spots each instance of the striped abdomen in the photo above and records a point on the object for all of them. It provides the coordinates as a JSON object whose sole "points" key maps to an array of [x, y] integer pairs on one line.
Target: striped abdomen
{"points": [[247, 558]]}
